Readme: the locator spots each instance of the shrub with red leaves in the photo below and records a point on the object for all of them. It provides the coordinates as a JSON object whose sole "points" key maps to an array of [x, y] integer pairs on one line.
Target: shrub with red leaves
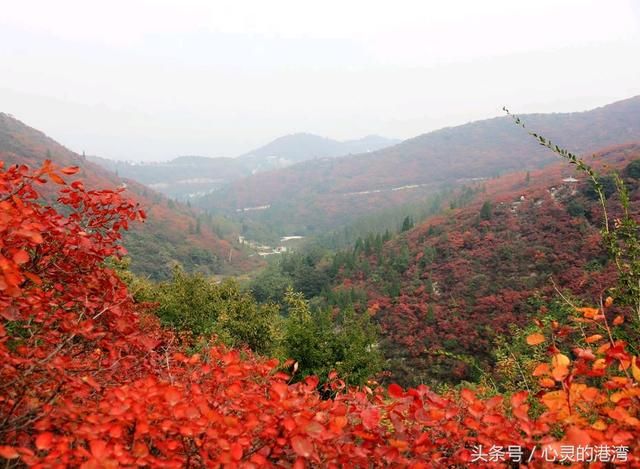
{"points": [[89, 379]]}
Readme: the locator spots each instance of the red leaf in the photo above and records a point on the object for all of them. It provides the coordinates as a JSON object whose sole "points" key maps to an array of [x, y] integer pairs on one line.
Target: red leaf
{"points": [[69, 170], [57, 179], [302, 446], [395, 391], [9, 313], [21, 257], [98, 449], [311, 382], [519, 398], [8, 452], [468, 396], [43, 440], [314, 429], [33, 277], [172, 395], [576, 436], [91, 382], [535, 339], [593, 338], [370, 418], [236, 451], [281, 389]]}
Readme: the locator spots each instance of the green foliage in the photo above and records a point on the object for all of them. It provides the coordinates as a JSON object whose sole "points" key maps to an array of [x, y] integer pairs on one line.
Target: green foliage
{"points": [[632, 170], [486, 211], [401, 261], [463, 197], [606, 186], [321, 344], [576, 208], [195, 303], [383, 222], [271, 284], [407, 223]]}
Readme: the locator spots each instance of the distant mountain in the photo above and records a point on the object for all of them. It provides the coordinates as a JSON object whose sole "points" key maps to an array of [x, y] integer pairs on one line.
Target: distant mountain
{"points": [[322, 193], [181, 178], [296, 148], [172, 232], [187, 177]]}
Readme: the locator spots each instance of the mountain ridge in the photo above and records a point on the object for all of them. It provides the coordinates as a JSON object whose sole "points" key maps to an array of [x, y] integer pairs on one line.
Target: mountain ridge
{"points": [[450, 155], [189, 176]]}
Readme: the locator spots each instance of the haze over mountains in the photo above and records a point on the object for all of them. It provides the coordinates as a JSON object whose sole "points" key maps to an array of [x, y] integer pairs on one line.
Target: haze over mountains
{"points": [[191, 176], [300, 147], [319, 194], [305, 185]]}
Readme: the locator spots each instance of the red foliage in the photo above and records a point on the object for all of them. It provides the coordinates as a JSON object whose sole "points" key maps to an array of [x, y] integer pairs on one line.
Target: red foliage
{"points": [[88, 379], [482, 273]]}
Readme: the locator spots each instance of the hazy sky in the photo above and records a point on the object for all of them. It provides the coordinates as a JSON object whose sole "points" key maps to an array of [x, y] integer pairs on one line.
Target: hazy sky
{"points": [[152, 79]]}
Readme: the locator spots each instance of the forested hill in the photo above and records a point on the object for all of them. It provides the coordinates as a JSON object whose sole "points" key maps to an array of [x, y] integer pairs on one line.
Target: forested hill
{"points": [[444, 291], [330, 191], [172, 232], [454, 283], [182, 177]]}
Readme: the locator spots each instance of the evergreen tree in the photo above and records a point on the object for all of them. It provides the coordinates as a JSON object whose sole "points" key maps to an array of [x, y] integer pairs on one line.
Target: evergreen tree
{"points": [[486, 211], [407, 224]]}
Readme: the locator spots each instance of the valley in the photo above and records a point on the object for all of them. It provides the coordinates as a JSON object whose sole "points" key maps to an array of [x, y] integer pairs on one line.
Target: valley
{"points": [[319, 235], [424, 277]]}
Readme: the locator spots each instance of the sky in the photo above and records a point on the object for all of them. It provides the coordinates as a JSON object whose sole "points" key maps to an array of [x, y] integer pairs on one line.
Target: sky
{"points": [[154, 79]]}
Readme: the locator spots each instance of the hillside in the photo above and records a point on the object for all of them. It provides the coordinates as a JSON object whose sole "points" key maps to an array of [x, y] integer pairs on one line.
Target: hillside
{"points": [[186, 177], [180, 178], [296, 148], [89, 378], [323, 193], [171, 233], [457, 281]]}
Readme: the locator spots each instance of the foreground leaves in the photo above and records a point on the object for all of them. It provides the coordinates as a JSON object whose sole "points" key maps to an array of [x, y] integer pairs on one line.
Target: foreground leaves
{"points": [[89, 379]]}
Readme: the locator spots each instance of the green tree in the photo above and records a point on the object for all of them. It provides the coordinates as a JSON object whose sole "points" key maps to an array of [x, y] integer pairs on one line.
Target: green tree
{"points": [[195, 303], [576, 208], [486, 211], [407, 223], [607, 186], [319, 344], [632, 170], [270, 285]]}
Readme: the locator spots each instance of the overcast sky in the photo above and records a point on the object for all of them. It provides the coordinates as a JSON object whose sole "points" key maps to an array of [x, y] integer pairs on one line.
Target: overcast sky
{"points": [[152, 79]]}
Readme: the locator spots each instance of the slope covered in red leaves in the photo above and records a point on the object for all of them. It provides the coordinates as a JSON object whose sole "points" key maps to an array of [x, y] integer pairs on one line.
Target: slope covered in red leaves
{"points": [[459, 280]]}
